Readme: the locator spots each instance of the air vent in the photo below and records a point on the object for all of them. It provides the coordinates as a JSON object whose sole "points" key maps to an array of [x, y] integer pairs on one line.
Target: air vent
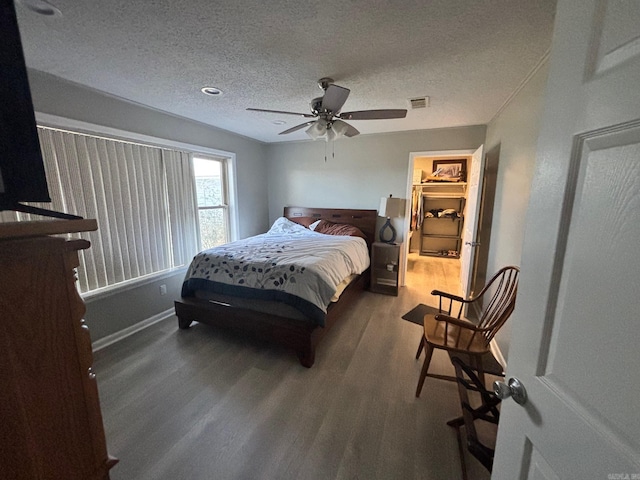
{"points": [[422, 102]]}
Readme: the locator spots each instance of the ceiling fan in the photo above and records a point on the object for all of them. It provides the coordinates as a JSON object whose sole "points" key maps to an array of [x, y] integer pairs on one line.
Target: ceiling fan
{"points": [[328, 120]]}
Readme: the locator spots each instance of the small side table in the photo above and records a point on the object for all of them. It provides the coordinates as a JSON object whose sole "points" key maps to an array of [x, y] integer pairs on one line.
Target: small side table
{"points": [[385, 267]]}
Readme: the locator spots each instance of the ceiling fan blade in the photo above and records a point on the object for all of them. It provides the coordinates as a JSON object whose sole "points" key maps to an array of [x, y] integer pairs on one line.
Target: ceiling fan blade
{"points": [[345, 129], [373, 114], [306, 115], [334, 98], [351, 131], [297, 127]]}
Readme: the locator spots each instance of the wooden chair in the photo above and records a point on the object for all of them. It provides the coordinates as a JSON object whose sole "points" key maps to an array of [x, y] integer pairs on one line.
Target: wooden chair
{"points": [[478, 404], [459, 335]]}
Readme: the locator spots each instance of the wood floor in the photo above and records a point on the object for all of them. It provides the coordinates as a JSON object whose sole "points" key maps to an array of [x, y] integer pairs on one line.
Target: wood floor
{"points": [[200, 404]]}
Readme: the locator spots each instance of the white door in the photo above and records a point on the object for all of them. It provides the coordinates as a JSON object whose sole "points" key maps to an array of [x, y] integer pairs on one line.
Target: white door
{"points": [[470, 229], [576, 328]]}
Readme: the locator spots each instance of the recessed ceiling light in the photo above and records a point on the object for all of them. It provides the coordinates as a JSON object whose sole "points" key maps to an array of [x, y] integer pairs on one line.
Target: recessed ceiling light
{"points": [[213, 91], [279, 122], [41, 7]]}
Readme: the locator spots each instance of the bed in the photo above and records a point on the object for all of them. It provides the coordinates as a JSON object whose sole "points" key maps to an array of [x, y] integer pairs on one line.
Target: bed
{"points": [[298, 326]]}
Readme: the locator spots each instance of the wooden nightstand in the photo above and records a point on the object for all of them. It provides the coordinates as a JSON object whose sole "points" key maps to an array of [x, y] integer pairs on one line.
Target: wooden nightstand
{"points": [[385, 267]]}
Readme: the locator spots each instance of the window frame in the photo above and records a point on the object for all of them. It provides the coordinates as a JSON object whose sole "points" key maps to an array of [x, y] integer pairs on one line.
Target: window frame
{"points": [[225, 205], [79, 126]]}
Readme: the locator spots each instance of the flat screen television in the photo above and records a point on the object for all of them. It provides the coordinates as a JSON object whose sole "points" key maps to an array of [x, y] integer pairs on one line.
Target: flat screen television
{"points": [[22, 174]]}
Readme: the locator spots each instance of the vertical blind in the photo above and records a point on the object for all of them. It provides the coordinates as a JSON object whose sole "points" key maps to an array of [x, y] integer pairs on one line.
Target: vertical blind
{"points": [[143, 198], [183, 216]]}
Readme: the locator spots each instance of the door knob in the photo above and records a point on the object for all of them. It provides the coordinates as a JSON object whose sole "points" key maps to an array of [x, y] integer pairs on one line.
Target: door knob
{"points": [[514, 388], [473, 244]]}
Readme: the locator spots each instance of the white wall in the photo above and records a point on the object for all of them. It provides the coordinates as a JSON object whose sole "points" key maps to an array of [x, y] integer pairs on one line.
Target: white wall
{"points": [[514, 132], [363, 169]]}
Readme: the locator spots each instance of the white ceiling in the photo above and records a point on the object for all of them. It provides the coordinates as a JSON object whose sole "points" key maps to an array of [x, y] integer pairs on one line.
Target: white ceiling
{"points": [[468, 56]]}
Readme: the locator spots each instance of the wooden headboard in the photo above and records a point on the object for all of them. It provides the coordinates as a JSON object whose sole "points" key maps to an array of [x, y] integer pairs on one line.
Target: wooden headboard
{"points": [[365, 220]]}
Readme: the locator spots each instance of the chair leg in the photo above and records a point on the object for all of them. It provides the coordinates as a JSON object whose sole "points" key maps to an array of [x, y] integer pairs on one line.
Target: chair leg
{"points": [[425, 367], [463, 464], [477, 360], [420, 347]]}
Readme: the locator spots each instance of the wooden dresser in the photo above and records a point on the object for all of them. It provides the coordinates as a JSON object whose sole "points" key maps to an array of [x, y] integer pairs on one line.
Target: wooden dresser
{"points": [[50, 420]]}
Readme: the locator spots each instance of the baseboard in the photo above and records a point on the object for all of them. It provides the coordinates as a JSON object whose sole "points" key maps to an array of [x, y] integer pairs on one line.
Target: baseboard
{"points": [[497, 354], [124, 333]]}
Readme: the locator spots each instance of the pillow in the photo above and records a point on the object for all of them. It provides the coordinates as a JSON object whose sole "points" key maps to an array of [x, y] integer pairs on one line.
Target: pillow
{"points": [[314, 225], [285, 226], [304, 221], [330, 228]]}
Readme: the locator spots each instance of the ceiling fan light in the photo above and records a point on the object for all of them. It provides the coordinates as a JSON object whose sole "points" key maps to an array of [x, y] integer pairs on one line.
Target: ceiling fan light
{"points": [[339, 128], [315, 131], [331, 135]]}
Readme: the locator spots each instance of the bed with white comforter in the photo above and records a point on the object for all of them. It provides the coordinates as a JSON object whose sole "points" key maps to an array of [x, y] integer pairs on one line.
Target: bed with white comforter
{"points": [[289, 264]]}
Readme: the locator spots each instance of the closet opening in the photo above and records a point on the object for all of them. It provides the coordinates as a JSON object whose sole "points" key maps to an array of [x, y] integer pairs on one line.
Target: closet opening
{"points": [[444, 192]]}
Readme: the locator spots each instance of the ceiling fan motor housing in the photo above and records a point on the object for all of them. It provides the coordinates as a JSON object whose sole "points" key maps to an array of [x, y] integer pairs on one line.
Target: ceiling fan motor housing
{"points": [[316, 106], [324, 83]]}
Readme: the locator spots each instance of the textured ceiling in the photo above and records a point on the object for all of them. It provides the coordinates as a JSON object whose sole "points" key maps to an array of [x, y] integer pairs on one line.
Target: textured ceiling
{"points": [[468, 56]]}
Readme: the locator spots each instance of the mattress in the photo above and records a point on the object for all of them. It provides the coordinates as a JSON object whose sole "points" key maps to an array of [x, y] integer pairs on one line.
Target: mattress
{"points": [[290, 264]]}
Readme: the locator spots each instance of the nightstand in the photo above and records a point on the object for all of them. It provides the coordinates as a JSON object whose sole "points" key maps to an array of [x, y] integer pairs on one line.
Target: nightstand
{"points": [[385, 267]]}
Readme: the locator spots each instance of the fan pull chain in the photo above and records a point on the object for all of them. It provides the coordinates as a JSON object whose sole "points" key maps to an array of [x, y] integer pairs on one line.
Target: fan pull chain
{"points": [[333, 150]]}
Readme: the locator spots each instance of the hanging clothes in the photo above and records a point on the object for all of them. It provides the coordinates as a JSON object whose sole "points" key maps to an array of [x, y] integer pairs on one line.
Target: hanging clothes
{"points": [[416, 209]]}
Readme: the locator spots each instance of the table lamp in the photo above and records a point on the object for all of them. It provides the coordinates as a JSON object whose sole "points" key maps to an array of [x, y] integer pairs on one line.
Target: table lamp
{"points": [[390, 207]]}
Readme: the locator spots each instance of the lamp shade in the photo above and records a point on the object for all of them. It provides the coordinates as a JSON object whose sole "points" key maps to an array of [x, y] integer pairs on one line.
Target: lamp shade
{"points": [[316, 130], [331, 135], [329, 130], [340, 128], [391, 207]]}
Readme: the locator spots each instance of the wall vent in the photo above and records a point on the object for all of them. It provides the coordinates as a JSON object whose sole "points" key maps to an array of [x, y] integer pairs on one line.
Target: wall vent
{"points": [[422, 102]]}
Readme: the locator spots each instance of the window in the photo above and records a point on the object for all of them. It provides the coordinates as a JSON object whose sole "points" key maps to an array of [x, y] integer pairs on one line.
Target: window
{"points": [[212, 200], [154, 204]]}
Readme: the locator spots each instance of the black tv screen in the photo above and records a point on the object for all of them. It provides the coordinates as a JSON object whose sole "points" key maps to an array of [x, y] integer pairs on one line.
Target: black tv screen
{"points": [[22, 174]]}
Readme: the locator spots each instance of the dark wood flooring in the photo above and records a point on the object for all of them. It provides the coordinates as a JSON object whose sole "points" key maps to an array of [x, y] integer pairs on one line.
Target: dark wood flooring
{"points": [[201, 404]]}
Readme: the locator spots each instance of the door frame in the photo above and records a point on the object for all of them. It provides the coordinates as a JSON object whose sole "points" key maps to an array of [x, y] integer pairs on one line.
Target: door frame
{"points": [[485, 216], [441, 154]]}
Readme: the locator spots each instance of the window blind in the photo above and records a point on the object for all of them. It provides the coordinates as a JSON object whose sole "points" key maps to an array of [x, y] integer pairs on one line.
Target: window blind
{"points": [[141, 196], [181, 191]]}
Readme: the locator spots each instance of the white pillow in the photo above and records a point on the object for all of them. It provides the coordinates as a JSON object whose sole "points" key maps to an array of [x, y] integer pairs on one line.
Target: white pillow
{"points": [[285, 226], [314, 225]]}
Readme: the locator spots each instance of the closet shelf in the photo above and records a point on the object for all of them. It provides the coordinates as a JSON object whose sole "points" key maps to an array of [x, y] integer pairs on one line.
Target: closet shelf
{"points": [[435, 235], [442, 236], [442, 190]]}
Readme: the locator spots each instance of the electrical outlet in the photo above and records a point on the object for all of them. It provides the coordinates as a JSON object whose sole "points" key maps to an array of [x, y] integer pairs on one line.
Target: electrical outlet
{"points": [[163, 289]]}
